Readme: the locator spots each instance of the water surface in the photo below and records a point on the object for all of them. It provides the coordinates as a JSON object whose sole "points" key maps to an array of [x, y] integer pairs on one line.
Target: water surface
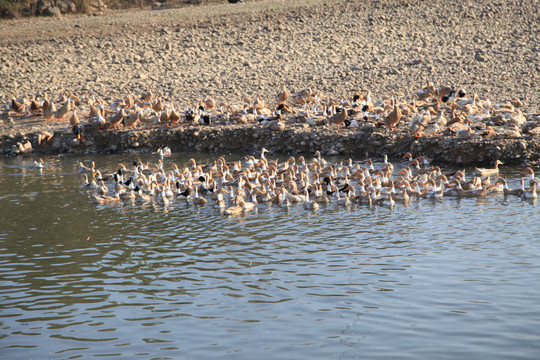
{"points": [[434, 279]]}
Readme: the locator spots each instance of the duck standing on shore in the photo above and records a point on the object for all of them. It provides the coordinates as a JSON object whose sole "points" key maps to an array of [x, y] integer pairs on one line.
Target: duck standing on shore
{"points": [[393, 118], [48, 109], [116, 119], [64, 109], [339, 117], [17, 106], [78, 132], [283, 95]]}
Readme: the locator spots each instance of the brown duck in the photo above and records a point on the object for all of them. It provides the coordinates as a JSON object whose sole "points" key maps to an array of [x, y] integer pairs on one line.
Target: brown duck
{"points": [[392, 120], [338, 118]]}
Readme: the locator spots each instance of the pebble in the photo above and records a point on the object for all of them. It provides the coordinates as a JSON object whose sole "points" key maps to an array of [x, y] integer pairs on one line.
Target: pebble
{"points": [[479, 56], [57, 143], [332, 152]]}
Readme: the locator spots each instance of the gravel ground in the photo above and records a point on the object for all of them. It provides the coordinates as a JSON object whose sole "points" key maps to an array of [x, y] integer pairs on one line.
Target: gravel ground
{"points": [[231, 50], [227, 50]]}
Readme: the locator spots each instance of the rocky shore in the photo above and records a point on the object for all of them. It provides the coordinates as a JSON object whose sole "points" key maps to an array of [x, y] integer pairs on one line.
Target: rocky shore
{"points": [[229, 51], [292, 140]]}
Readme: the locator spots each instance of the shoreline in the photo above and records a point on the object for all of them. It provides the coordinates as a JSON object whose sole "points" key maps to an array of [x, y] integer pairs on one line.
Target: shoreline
{"points": [[295, 139]]}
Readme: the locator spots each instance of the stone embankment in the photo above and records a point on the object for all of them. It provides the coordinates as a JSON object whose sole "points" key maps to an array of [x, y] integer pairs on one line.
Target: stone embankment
{"points": [[298, 138]]}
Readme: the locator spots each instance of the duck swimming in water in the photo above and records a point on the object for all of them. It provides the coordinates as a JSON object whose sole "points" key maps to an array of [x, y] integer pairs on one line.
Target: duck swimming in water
{"points": [[83, 169], [39, 164], [309, 204], [485, 172], [285, 184], [531, 193]]}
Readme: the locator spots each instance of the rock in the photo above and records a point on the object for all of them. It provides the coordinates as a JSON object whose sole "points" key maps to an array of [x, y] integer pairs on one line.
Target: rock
{"points": [[52, 11], [57, 144], [66, 6], [414, 62], [463, 134], [368, 126], [478, 126], [332, 152], [15, 150], [41, 5], [98, 5], [479, 56], [512, 134], [528, 126], [535, 131]]}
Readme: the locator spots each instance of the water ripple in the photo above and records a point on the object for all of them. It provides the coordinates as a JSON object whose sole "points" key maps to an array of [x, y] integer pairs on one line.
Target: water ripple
{"points": [[445, 280]]}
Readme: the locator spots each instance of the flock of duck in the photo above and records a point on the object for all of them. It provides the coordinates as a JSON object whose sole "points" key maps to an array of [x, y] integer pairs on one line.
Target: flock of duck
{"points": [[234, 187], [237, 187], [429, 111]]}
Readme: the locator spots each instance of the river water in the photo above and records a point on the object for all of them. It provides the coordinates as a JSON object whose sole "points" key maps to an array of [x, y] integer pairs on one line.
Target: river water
{"points": [[458, 278]]}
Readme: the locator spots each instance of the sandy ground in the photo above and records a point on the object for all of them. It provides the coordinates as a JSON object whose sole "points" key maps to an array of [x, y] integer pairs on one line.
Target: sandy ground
{"points": [[229, 51]]}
